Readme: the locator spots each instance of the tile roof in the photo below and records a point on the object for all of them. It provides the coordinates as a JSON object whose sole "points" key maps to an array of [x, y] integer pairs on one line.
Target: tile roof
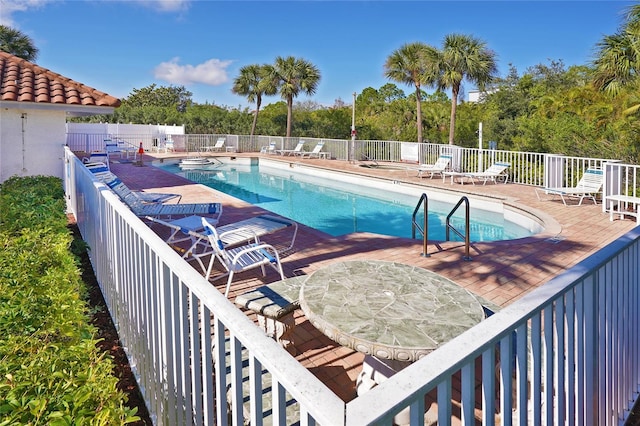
{"points": [[23, 81]]}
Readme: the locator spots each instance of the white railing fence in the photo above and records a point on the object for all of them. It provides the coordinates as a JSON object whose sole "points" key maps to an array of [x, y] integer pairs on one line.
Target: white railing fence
{"points": [[90, 142], [621, 179], [527, 168], [566, 353], [192, 351]]}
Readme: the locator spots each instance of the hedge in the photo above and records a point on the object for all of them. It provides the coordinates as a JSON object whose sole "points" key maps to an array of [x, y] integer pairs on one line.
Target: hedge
{"points": [[51, 371]]}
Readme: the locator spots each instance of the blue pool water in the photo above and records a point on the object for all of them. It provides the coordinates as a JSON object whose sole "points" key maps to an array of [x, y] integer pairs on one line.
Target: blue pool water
{"points": [[337, 208]]}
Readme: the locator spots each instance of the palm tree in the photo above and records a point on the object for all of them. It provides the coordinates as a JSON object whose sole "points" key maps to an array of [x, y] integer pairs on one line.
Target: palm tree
{"points": [[617, 60], [413, 64], [253, 82], [295, 75], [464, 57], [18, 44]]}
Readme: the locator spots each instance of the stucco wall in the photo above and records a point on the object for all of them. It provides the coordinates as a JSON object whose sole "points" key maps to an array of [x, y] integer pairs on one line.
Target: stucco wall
{"points": [[125, 129], [31, 142]]}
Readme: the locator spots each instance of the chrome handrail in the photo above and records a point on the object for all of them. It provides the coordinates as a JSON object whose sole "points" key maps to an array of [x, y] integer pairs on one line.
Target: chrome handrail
{"points": [[414, 225], [450, 227]]}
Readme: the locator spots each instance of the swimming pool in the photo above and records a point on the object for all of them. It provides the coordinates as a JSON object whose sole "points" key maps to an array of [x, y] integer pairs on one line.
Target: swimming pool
{"points": [[339, 204]]}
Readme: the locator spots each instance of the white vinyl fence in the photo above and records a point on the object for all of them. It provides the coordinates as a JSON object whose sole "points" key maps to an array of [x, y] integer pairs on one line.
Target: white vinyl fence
{"points": [[527, 168], [566, 353]]}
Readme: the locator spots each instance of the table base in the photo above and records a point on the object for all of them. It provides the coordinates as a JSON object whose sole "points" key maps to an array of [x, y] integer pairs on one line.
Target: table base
{"points": [[374, 372], [280, 329]]}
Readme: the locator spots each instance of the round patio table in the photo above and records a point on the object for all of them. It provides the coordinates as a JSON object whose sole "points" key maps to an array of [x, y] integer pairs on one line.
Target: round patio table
{"points": [[394, 313], [388, 310]]}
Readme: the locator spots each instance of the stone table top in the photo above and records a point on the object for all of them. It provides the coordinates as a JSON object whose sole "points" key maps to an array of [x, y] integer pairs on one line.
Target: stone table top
{"points": [[386, 309]]}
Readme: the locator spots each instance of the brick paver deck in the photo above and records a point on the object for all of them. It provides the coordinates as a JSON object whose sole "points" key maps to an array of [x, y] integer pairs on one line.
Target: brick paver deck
{"points": [[500, 272]]}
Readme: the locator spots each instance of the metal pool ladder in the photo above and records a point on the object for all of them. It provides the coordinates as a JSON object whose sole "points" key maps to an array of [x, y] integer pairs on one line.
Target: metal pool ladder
{"points": [[424, 229]]}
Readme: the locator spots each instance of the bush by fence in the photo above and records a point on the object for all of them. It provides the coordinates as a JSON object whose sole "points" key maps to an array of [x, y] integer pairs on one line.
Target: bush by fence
{"points": [[51, 371]]}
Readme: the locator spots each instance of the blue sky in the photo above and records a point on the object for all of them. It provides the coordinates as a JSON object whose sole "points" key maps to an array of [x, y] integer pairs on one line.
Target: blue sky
{"points": [[117, 46]]}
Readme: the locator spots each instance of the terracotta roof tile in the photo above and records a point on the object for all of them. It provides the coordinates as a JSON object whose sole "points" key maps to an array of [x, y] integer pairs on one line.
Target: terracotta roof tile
{"points": [[24, 81]]}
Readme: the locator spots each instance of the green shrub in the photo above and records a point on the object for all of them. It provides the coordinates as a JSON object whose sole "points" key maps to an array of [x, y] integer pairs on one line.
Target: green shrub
{"points": [[51, 371], [32, 202]]}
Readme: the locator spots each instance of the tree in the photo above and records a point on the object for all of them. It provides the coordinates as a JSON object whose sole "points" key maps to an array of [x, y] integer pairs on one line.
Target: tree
{"points": [[618, 57], [177, 97], [295, 75], [253, 82], [464, 57], [412, 64], [390, 92], [18, 44]]}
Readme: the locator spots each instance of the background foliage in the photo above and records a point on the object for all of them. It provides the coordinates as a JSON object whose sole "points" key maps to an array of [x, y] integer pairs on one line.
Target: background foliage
{"points": [[548, 108]]}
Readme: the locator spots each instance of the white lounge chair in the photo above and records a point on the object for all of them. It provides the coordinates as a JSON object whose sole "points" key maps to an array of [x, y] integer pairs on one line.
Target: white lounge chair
{"points": [[102, 173], [132, 197], [143, 208], [120, 148], [270, 149], [493, 173], [589, 185], [435, 169], [97, 157], [293, 151], [241, 258], [190, 229], [99, 169], [316, 152], [217, 147]]}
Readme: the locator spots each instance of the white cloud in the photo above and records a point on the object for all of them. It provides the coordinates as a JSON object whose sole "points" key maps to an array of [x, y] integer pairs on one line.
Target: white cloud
{"points": [[9, 7], [167, 5], [212, 72]]}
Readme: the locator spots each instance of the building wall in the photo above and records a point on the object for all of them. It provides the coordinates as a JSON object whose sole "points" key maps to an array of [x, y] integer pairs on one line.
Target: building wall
{"points": [[155, 130], [31, 142]]}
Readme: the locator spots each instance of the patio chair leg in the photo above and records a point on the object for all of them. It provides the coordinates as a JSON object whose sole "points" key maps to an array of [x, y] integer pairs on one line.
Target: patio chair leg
{"points": [[210, 267], [226, 291]]}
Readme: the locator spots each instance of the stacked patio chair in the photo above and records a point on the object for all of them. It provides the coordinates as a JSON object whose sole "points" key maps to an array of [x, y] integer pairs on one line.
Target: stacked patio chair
{"points": [[241, 258], [190, 229]]}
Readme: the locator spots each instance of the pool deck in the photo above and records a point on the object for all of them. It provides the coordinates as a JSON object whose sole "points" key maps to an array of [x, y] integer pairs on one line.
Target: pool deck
{"points": [[500, 272]]}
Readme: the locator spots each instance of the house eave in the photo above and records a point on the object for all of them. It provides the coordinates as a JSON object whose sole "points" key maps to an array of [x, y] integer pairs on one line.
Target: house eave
{"points": [[70, 110]]}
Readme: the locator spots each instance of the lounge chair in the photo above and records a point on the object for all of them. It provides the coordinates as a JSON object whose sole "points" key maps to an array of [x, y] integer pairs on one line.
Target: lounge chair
{"points": [[99, 169], [493, 173], [315, 153], [217, 147], [242, 232], [589, 185], [435, 169], [103, 174], [270, 149], [125, 193], [97, 157], [119, 148], [145, 207], [293, 151], [242, 258]]}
